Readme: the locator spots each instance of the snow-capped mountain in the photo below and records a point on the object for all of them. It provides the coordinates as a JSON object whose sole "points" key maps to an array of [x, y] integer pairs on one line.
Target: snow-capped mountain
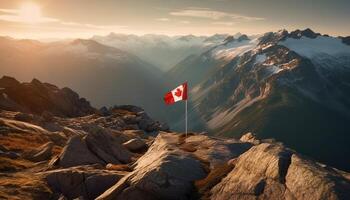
{"points": [[161, 50], [104, 74], [294, 87]]}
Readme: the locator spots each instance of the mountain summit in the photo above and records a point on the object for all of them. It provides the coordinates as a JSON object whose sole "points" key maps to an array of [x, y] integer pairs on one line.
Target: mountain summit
{"points": [[121, 153]]}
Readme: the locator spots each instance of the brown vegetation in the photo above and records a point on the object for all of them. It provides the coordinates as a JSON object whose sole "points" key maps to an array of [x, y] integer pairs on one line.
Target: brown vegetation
{"points": [[214, 177]]}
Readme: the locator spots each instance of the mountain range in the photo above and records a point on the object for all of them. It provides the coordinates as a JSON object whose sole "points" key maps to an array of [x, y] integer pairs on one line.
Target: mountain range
{"points": [[104, 74], [292, 86], [161, 50]]}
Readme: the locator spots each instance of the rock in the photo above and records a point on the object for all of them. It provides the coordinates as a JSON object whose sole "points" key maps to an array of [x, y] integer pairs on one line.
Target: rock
{"points": [[9, 154], [47, 116], [259, 172], [346, 40], [106, 146], [129, 108], [135, 144], [162, 173], [37, 97], [250, 137], [271, 171], [84, 181], [131, 134], [25, 117], [44, 152], [130, 119], [309, 180], [3, 149], [216, 151], [229, 39], [104, 111], [7, 81], [77, 153], [242, 38]]}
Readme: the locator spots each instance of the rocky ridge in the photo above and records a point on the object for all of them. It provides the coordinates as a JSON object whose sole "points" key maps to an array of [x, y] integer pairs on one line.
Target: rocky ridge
{"points": [[121, 153]]}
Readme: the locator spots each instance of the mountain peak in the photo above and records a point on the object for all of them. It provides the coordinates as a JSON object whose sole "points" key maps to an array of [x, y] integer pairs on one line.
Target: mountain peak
{"points": [[306, 33], [228, 39], [242, 38]]}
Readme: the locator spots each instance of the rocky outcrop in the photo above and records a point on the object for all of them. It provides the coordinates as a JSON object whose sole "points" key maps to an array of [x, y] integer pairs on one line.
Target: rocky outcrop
{"points": [[271, 171], [135, 144], [98, 146], [215, 151], [44, 152], [37, 97], [249, 137], [86, 182], [306, 33], [106, 146], [162, 173], [242, 38]]}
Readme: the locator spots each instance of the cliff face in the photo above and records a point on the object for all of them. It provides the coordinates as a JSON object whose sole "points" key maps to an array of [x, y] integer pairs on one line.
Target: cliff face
{"points": [[121, 153]]}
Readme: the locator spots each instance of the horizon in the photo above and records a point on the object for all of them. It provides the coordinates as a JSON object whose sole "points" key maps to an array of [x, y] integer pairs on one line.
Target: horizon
{"points": [[40, 20]]}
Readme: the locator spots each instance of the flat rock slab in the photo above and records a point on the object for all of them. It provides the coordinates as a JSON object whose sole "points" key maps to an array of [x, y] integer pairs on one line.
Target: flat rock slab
{"points": [[164, 172], [82, 181]]}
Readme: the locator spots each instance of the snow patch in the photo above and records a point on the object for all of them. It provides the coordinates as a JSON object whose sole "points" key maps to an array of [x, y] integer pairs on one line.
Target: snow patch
{"points": [[233, 49], [260, 58], [311, 48]]}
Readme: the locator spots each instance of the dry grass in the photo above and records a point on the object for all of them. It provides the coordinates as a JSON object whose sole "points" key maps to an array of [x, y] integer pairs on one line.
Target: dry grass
{"points": [[18, 186], [214, 177], [22, 141], [8, 164]]}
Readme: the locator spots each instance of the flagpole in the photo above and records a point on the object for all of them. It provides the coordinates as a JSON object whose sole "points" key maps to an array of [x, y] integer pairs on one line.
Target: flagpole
{"points": [[186, 117]]}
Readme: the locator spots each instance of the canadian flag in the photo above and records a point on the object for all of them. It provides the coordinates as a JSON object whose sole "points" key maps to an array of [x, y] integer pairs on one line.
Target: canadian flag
{"points": [[177, 94]]}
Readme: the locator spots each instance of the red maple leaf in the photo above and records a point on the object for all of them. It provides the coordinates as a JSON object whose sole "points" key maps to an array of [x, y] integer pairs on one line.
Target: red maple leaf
{"points": [[178, 92]]}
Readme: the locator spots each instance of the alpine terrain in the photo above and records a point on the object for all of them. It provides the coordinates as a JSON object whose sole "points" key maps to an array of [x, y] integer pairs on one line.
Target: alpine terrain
{"points": [[55, 145], [290, 86]]}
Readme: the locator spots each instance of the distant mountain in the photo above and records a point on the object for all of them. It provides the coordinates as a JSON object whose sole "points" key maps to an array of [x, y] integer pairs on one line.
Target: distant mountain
{"points": [[294, 87], [37, 97], [160, 50], [104, 74]]}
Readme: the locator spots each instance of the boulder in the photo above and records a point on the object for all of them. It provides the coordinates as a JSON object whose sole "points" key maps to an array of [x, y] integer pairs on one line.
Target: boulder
{"points": [[309, 180], [44, 152], [250, 137], [84, 181], [9, 154], [77, 153], [258, 173], [25, 117], [162, 173], [271, 171], [215, 151], [104, 111], [106, 146], [135, 144]]}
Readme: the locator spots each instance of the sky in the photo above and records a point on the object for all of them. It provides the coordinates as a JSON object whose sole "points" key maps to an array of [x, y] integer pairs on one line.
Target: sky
{"points": [[39, 19]]}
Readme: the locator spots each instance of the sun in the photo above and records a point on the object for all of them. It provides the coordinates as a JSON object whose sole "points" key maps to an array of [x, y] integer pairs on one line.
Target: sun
{"points": [[30, 13]]}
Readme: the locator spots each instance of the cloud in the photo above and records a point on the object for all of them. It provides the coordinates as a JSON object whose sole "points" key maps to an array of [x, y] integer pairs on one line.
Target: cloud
{"points": [[163, 19], [224, 23], [14, 15], [212, 14], [185, 22]]}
